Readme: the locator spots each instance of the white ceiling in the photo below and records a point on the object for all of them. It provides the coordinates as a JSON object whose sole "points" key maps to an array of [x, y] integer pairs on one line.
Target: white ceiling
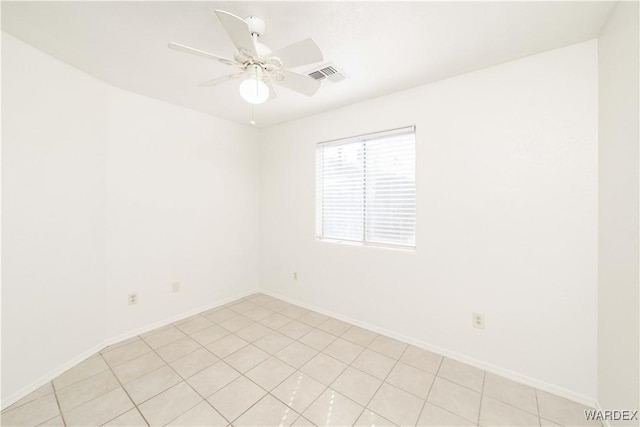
{"points": [[382, 46]]}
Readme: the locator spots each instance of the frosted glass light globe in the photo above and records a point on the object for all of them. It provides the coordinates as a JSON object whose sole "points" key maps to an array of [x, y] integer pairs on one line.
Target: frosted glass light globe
{"points": [[254, 91]]}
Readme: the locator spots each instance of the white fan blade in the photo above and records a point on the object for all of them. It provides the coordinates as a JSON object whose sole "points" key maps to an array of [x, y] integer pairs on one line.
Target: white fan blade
{"points": [[272, 91], [219, 80], [187, 49], [298, 82], [238, 31], [302, 53]]}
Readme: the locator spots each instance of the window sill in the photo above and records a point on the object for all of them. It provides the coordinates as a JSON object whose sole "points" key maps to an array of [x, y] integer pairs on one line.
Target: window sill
{"points": [[410, 249]]}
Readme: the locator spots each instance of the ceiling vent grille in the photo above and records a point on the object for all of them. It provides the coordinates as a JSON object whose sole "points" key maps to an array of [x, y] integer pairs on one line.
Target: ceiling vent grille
{"points": [[328, 72]]}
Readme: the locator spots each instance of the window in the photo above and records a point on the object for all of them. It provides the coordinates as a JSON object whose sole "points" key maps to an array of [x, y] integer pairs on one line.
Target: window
{"points": [[366, 189]]}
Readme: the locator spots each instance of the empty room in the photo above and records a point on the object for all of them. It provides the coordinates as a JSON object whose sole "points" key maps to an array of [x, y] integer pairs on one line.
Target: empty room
{"points": [[320, 213]]}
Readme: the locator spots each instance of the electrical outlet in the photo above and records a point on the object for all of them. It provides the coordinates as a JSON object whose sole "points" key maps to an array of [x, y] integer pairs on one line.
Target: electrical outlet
{"points": [[133, 298], [478, 320], [295, 275], [176, 286]]}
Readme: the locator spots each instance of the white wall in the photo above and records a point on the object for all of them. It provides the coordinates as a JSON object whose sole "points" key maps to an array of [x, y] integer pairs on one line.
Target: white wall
{"points": [[506, 219], [53, 191], [618, 274], [107, 192], [182, 206]]}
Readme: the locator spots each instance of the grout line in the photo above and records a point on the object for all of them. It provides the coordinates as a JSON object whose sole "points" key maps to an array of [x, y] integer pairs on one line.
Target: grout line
{"points": [[426, 399], [55, 394], [127, 393], [484, 377]]}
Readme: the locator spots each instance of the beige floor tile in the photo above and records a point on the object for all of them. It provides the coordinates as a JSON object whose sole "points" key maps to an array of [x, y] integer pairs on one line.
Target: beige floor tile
{"points": [[371, 419], [562, 411], [138, 367], [177, 349], [293, 311], [246, 358], [374, 363], [258, 313], [335, 327], [313, 319], [32, 413], [200, 415], [496, 413], [194, 362], [236, 398], [273, 342], [40, 392], [356, 385], [396, 405], [236, 323], [298, 391], [166, 327], [194, 324], [165, 336], [333, 409], [414, 380], [343, 350], [422, 359], [268, 411], [435, 416], [323, 368], [296, 354], [455, 398], [261, 299], [87, 368], [253, 332], [219, 315], [270, 373], [295, 329], [360, 336], [100, 410], [317, 339], [131, 418], [243, 307], [53, 422], [169, 404], [83, 391], [209, 335], [227, 345], [276, 321], [152, 384], [511, 392], [213, 378], [388, 346], [125, 353], [461, 373], [276, 305]]}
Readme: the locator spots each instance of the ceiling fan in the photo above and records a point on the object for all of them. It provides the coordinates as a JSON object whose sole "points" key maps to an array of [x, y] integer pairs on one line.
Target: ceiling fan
{"points": [[259, 67]]}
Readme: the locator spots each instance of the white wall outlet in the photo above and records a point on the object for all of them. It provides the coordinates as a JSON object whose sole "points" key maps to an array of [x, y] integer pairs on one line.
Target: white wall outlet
{"points": [[478, 320], [295, 275], [133, 298], [175, 286]]}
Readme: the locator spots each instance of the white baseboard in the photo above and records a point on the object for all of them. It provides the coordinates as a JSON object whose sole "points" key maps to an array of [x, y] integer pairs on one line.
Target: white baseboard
{"points": [[49, 376], [541, 385]]}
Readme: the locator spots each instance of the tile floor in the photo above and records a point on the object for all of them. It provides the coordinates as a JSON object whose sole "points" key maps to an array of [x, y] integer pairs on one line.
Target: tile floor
{"points": [[260, 361]]}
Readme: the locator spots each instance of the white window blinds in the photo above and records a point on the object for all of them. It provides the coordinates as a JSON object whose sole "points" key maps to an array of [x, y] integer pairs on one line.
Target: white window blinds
{"points": [[366, 188]]}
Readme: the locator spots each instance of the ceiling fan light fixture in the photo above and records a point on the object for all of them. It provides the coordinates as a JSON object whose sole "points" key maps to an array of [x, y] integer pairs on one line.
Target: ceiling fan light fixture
{"points": [[253, 89]]}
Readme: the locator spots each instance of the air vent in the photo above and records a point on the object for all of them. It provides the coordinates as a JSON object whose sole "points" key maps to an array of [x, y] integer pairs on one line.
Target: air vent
{"points": [[328, 72]]}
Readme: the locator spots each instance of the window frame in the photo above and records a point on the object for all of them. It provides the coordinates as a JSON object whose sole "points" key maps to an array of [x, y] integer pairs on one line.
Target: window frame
{"points": [[318, 188]]}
